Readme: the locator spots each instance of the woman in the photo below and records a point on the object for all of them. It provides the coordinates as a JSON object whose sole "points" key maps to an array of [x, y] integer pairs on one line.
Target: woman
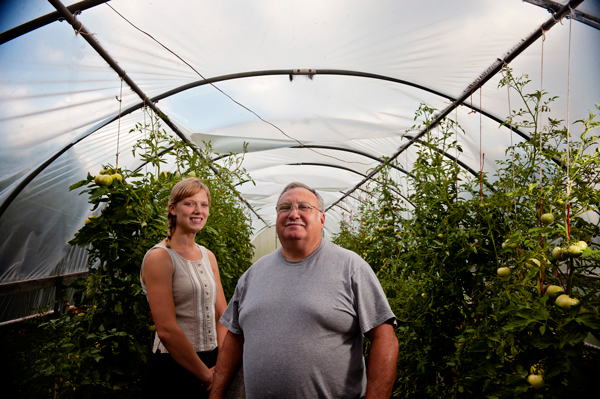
{"points": [[181, 281]]}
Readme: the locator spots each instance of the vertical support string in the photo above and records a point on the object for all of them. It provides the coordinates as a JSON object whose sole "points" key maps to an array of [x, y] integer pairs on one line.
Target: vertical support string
{"points": [[568, 132], [407, 185], [145, 140], [456, 157], [512, 148], [568, 289], [481, 154], [540, 127], [120, 100]]}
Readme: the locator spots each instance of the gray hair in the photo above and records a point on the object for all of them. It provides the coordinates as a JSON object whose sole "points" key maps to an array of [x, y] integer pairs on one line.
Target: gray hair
{"points": [[297, 184]]}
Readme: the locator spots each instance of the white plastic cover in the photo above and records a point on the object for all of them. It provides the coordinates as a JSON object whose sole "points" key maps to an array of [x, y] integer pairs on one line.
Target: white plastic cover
{"points": [[56, 92]]}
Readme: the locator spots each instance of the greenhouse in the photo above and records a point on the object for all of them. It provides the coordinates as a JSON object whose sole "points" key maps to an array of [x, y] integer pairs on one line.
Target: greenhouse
{"points": [[455, 145]]}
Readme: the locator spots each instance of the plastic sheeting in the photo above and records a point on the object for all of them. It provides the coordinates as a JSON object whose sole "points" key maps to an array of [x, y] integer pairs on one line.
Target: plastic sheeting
{"points": [[56, 91]]}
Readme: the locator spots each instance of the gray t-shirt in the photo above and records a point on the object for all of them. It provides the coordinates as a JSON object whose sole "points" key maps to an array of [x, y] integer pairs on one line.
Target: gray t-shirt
{"points": [[303, 324]]}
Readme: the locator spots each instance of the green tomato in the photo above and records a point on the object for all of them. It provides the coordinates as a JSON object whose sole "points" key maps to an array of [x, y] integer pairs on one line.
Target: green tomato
{"points": [[582, 244], [564, 301], [537, 381], [503, 271], [118, 176], [97, 179], [558, 253], [531, 263], [575, 251], [547, 218], [512, 245], [105, 180], [192, 174], [554, 290]]}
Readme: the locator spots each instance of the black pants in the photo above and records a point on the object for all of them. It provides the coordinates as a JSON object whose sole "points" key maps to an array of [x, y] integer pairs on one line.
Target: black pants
{"points": [[165, 378]]}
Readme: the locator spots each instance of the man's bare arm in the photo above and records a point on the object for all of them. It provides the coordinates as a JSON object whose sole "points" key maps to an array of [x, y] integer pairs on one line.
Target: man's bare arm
{"points": [[228, 363], [383, 357]]}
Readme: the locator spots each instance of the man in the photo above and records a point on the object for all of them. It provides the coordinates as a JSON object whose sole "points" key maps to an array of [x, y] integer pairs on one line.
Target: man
{"points": [[298, 316]]}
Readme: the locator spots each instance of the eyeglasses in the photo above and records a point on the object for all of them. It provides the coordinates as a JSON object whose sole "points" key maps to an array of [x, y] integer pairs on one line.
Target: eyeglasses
{"points": [[302, 207]]}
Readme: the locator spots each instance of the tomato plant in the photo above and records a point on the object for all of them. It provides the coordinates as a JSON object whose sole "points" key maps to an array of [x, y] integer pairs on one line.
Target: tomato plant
{"points": [[99, 348], [465, 331]]}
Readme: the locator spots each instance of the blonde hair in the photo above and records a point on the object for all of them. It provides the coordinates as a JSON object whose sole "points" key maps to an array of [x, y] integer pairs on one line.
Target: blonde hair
{"points": [[184, 189]]}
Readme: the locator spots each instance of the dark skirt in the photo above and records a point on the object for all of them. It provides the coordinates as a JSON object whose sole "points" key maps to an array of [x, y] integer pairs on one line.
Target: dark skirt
{"points": [[165, 378]]}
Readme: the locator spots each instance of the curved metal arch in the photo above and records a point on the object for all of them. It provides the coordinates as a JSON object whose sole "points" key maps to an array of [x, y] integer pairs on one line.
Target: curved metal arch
{"points": [[342, 208], [353, 151], [331, 166], [368, 193], [441, 152], [458, 161], [359, 200], [151, 101], [246, 181], [343, 168], [335, 148], [382, 161]]}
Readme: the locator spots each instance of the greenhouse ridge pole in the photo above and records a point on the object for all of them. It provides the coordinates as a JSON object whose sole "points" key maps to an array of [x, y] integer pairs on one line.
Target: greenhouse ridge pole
{"points": [[553, 6], [80, 29], [476, 85], [46, 19]]}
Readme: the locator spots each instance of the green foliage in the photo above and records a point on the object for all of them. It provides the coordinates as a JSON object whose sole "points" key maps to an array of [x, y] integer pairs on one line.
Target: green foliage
{"points": [[464, 331], [100, 346]]}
